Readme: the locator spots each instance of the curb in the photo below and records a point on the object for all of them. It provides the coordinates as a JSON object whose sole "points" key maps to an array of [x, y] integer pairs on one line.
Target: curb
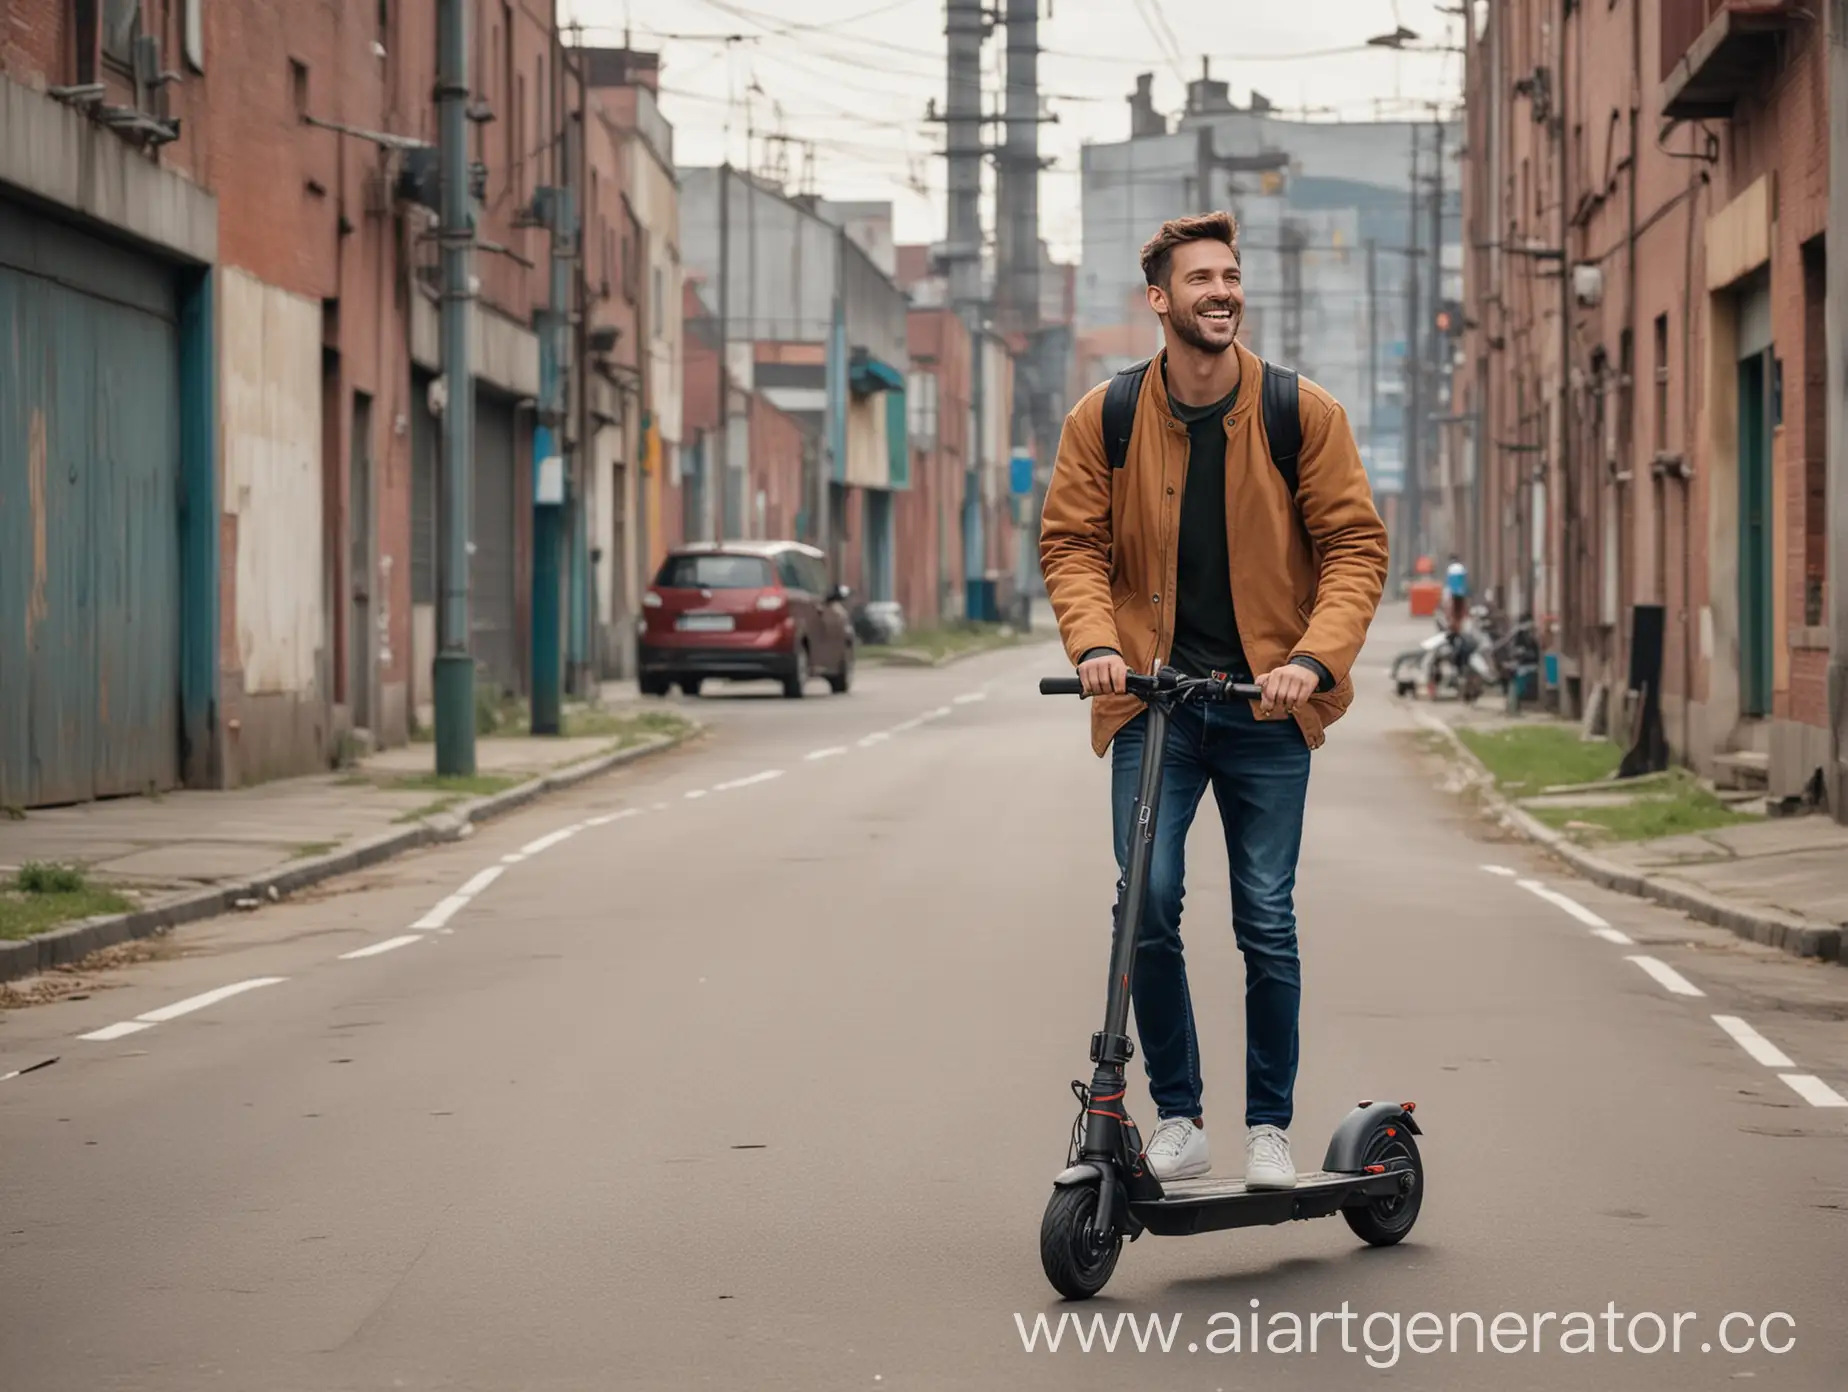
{"points": [[892, 657], [1798, 936], [63, 946]]}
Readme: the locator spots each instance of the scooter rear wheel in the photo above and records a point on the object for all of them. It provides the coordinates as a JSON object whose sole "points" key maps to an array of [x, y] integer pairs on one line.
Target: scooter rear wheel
{"points": [[1385, 1221], [1076, 1263]]}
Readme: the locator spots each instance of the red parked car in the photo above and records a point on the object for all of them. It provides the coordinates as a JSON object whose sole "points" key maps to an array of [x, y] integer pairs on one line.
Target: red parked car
{"points": [[745, 610]]}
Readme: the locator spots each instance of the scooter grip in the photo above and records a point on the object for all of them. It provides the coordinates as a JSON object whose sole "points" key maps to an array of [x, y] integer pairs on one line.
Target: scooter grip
{"points": [[1061, 686]]}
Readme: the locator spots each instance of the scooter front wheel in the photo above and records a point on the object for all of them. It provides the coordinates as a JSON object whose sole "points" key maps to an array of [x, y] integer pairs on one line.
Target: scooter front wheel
{"points": [[1077, 1263]]}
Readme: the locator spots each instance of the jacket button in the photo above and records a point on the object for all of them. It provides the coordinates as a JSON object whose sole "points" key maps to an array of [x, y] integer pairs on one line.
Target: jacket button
{"points": [[1170, 492], [1158, 599]]}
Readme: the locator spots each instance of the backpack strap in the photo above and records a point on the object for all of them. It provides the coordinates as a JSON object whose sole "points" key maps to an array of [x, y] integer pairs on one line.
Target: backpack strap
{"points": [[1280, 399], [1283, 421], [1120, 398]]}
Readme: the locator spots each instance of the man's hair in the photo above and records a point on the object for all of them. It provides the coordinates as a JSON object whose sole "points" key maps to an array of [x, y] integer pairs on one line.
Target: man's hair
{"points": [[1158, 251]]}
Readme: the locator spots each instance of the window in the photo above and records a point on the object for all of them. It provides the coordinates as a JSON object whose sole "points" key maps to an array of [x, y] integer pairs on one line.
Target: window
{"points": [[789, 571], [121, 27], [713, 573], [517, 174], [298, 84], [657, 307], [503, 46], [1815, 432], [1661, 383], [816, 571]]}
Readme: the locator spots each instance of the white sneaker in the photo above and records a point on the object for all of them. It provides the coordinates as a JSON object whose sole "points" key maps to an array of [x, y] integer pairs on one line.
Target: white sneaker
{"points": [[1178, 1150], [1267, 1159]]}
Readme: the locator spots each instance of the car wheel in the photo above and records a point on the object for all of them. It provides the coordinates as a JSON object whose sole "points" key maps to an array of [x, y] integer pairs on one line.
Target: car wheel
{"points": [[842, 681], [796, 684], [690, 685], [653, 686]]}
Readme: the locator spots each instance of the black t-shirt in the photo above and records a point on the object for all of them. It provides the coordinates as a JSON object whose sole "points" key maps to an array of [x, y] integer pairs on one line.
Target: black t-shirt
{"points": [[1205, 632]]}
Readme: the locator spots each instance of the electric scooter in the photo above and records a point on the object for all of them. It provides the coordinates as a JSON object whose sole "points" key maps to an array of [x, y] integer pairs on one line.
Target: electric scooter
{"points": [[1371, 1175]]}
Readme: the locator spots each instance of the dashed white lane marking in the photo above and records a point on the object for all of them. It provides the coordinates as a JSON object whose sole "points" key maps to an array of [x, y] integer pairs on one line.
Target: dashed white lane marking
{"points": [[389, 945], [766, 776], [1813, 1090], [937, 714], [1666, 976], [1558, 900], [1612, 935], [1501, 870], [545, 843], [109, 1032], [696, 792], [623, 815], [877, 737], [832, 752], [442, 913], [906, 726], [969, 696], [150, 1018], [513, 857], [207, 998], [482, 881], [1754, 1043]]}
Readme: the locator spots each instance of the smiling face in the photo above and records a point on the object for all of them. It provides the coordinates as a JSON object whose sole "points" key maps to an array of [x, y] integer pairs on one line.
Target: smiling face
{"points": [[1203, 300]]}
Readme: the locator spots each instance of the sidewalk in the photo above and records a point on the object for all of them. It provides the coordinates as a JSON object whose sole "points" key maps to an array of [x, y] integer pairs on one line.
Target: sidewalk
{"points": [[152, 862], [1779, 881]]}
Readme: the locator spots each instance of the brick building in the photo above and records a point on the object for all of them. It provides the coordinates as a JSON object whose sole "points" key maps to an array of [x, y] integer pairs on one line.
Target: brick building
{"points": [[1647, 190], [218, 285]]}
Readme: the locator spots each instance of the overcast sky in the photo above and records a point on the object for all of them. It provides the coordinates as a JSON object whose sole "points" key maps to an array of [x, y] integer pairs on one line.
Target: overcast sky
{"points": [[848, 81]]}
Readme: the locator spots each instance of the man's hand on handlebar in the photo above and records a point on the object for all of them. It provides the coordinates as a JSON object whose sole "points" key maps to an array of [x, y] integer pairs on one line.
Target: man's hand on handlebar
{"points": [[1103, 675], [1287, 687]]}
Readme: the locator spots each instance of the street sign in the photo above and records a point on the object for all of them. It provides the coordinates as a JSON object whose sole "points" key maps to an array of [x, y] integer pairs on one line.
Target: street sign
{"points": [[1020, 472], [1385, 468]]}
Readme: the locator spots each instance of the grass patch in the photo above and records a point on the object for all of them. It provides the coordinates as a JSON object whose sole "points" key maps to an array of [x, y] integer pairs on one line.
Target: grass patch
{"points": [[309, 849], [1679, 807], [429, 809], [624, 728], [457, 784], [951, 639], [1529, 758], [41, 897]]}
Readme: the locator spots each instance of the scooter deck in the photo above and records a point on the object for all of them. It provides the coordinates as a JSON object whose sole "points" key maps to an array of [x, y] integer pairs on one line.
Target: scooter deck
{"points": [[1211, 1204]]}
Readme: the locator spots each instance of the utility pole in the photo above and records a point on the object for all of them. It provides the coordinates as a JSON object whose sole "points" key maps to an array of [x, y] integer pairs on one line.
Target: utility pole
{"points": [[1373, 344], [1560, 502], [1411, 435], [1292, 255], [965, 27], [1440, 343], [1017, 221], [718, 468], [553, 205], [582, 608], [1837, 346], [453, 683]]}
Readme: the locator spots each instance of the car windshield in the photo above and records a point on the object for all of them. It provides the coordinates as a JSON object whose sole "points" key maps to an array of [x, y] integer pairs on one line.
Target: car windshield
{"points": [[714, 573]]}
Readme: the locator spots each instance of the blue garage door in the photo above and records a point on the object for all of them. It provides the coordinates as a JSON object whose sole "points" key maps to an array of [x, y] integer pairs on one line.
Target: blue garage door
{"points": [[89, 517]]}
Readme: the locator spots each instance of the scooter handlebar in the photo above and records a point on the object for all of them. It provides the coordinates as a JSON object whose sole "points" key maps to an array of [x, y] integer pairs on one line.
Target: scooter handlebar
{"points": [[1145, 686]]}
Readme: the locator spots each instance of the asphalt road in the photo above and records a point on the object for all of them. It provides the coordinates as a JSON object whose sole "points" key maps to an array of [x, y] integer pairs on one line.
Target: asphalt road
{"points": [[761, 1088]]}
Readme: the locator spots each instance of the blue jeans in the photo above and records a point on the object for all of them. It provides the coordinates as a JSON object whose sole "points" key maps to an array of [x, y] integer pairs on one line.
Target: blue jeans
{"points": [[1259, 772]]}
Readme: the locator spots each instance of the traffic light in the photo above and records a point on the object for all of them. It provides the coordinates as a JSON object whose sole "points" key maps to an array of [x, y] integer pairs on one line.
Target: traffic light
{"points": [[1448, 319]]}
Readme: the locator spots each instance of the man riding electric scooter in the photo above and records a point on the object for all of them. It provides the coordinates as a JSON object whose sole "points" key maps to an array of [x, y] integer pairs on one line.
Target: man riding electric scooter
{"points": [[1210, 512]]}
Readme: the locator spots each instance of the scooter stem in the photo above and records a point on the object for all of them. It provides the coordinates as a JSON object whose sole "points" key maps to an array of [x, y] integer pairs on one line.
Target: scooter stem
{"points": [[1112, 1048]]}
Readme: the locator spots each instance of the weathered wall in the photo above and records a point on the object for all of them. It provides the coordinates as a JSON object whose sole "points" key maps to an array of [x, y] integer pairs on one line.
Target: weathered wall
{"points": [[277, 659]]}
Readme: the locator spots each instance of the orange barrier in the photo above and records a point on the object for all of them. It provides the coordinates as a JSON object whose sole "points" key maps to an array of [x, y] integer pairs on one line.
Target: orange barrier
{"points": [[1425, 597]]}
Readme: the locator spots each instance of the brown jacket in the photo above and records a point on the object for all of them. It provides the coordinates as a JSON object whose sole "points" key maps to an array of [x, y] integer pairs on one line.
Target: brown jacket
{"points": [[1307, 576]]}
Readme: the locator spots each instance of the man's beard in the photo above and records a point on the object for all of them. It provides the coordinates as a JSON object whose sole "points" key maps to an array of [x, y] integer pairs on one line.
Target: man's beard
{"points": [[1187, 328]]}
